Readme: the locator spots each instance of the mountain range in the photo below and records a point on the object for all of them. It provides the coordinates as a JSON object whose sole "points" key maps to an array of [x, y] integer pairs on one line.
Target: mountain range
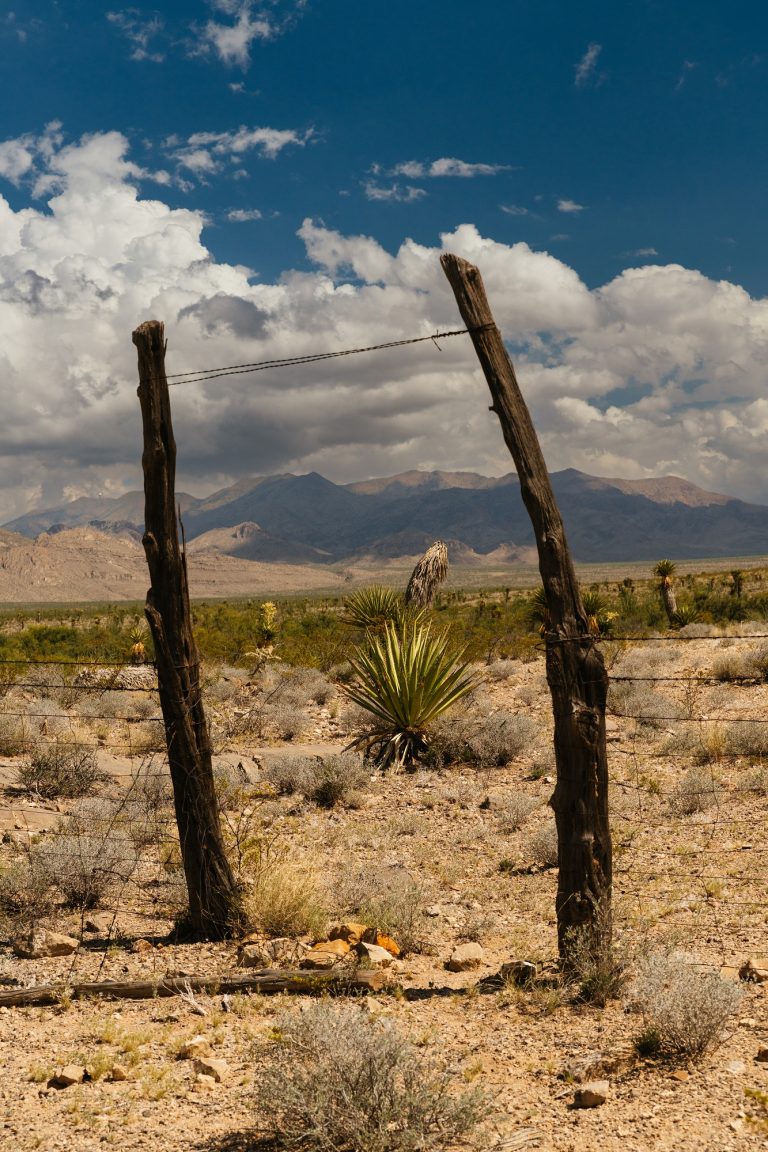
{"points": [[308, 519]]}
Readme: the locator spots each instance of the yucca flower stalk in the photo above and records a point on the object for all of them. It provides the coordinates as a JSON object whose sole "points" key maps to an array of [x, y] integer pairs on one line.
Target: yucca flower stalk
{"points": [[430, 571], [405, 678]]}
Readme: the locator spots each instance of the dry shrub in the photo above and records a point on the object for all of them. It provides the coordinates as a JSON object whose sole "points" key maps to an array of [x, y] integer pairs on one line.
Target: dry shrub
{"points": [[696, 792], [337, 779], [61, 771], [518, 806], [366, 1091], [84, 866], [498, 739], [288, 720], [684, 1009], [26, 895], [748, 738], [290, 776], [386, 898], [283, 898], [15, 736], [542, 846], [639, 701]]}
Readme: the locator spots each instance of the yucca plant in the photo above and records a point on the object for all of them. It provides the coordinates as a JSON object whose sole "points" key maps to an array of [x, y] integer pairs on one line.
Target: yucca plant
{"points": [[374, 607], [599, 619], [664, 571], [538, 611], [405, 678]]}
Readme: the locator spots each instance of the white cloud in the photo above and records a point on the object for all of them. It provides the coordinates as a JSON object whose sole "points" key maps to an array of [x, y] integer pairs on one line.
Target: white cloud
{"points": [[642, 252], [243, 215], [205, 153], [445, 166], [586, 69], [397, 192], [140, 32], [252, 22], [569, 206], [659, 370], [513, 209]]}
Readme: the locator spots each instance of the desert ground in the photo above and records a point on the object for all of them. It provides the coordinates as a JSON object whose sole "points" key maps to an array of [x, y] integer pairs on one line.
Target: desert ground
{"points": [[458, 852]]}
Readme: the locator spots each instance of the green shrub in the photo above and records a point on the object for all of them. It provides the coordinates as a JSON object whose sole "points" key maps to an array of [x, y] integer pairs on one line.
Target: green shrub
{"points": [[405, 680]]}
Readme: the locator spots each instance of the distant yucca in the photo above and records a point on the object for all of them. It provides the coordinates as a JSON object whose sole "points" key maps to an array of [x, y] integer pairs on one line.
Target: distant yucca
{"points": [[430, 571], [374, 607]]}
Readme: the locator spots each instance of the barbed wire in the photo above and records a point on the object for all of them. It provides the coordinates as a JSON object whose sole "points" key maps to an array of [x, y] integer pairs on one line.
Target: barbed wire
{"points": [[196, 375]]}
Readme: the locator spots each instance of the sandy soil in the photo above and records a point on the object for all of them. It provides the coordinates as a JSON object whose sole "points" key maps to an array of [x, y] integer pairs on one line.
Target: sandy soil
{"points": [[694, 882]]}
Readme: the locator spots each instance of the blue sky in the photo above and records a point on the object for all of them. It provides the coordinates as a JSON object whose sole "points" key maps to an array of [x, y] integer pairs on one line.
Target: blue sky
{"points": [[279, 177]]}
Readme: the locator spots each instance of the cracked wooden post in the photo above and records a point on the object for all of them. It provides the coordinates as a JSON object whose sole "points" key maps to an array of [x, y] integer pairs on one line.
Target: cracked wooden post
{"points": [[576, 673], [215, 904]]}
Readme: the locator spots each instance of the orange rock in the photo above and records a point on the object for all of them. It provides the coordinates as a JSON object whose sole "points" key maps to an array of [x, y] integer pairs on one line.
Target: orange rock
{"points": [[373, 936], [336, 947], [351, 932]]}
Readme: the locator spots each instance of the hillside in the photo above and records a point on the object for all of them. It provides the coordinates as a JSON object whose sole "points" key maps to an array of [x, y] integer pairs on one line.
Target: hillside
{"points": [[309, 519]]}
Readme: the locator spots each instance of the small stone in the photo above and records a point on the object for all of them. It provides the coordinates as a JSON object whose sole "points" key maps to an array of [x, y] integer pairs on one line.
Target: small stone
{"points": [[203, 1081], [591, 1095], [66, 1076], [198, 1046], [41, 943], [762, 1054], [98, 924], [465, 957], [118, 1073], [374, 955], [681, 1075], [753, 973], [736, 1067], [519, 971], [373, 936], [140, 947], [351, 932], [433, 910], [210, 1066]]}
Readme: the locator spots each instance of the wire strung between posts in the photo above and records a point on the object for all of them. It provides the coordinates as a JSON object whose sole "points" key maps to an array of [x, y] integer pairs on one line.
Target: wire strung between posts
{"points": [[196, 375]]}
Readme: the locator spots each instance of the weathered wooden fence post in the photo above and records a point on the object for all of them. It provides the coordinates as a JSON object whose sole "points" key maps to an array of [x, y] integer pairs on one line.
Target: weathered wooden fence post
{"points": [[576, 672], [215, 905]]}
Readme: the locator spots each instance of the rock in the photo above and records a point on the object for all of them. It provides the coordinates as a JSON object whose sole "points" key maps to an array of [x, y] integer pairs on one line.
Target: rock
{"points": [[334, 947], [519, 971], [591, 1095], [374, 955], [736, 1067], [41, 943], [210, 1066], [373, 936], [433, 910], [66, 1076], [351, 932], [98, 924], [762, 1054], [195, 1048], [282, 951], [465, 957], [118, 1073], [140, 947], [753, 973], [681, 1075], [203, 1081]]}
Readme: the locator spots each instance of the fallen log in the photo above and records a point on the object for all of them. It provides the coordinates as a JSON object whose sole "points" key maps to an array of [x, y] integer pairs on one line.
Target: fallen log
{"points": [[265, 980]]}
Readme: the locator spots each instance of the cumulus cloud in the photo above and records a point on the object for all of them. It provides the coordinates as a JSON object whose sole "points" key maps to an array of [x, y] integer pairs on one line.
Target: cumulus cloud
{"points": [[660, 370]]}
